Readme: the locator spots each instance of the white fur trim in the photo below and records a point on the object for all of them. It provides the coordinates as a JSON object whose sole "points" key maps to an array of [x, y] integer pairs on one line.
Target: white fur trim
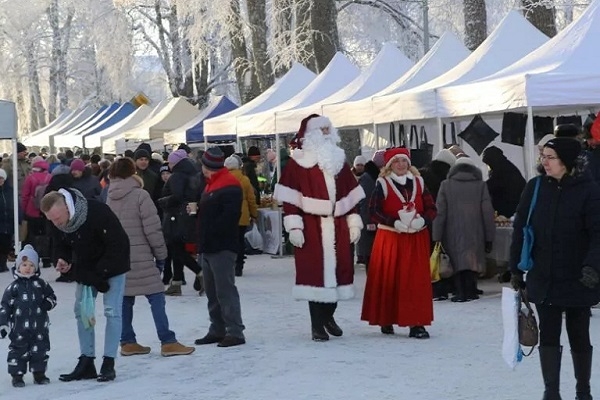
{"points": [[329, 248], [465, 160], [292, 222], [69, 201], [318, 123], [354, 221], [344, 205], [323, 295], [383, 186], [345, 292], [304, 159], [309, 205], [398, 156]]}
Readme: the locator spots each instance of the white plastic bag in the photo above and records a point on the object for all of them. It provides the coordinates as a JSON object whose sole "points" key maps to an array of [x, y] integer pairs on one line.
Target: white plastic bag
{"points": [[511, 349], [254, 238]]}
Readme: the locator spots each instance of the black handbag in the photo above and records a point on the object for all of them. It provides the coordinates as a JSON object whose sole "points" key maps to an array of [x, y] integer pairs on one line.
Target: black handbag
{"points": [[178, 226], [528, 327], [421, 151], [453, 142], [392, 135]]}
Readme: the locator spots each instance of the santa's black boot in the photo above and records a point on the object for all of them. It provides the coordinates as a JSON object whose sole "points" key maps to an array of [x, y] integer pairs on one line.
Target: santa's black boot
{"points": [[317, 321], [330, 325]]}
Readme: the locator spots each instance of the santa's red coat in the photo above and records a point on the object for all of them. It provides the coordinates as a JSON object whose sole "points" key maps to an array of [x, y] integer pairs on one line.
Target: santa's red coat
{"points": [[324, 264]]}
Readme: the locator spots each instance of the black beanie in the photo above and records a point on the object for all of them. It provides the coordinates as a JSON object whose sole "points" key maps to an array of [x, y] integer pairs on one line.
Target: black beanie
{"points": [[21, 147], [567, 149], [566, 131], [253, 151], [141, 153]]}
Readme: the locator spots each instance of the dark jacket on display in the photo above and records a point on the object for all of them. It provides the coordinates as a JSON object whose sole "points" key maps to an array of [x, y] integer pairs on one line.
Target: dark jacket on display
{"points": [[6, 209], [98, 250], [566, 225], [219, 212], [505, 182]]}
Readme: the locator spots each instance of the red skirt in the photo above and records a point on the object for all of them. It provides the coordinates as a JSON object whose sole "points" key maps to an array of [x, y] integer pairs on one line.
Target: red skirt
{"points": [[398, 288]]}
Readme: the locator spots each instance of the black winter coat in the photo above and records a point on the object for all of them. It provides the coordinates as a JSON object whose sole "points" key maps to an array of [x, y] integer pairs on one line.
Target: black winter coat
{"points": [[88, 185], [98, 250], [433, 175], [566, 225], [593, 163], [505, 182], [6, 210]]}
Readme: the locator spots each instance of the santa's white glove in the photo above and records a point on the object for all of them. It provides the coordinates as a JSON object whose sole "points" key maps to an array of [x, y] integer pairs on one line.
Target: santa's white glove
{"points": [[354, 234], [401, 226], [297, 237], [418, 223]]}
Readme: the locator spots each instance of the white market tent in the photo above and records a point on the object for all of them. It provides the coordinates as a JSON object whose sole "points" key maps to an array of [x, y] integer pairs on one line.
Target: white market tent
{"points": [[555, 76], [389, 65], [133, 119], [339, 72], [175, 113], [447, 52], [288, 86], [43, 138], [68, 139], [514, 38], [63, 116]]}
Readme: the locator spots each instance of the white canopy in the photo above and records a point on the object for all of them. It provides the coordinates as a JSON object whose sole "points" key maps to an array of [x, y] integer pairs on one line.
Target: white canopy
{"points": [[514, 38], [77, 117], [447, 52], [95, 140], [338, 73], [176, 113], [389, 65], [558, 74], [63, 116], [69, 138], [142, 115], [292, 83]]}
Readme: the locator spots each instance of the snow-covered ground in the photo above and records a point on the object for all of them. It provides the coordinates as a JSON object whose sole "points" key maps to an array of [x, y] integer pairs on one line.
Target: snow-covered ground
{"points": [[461, 361]]}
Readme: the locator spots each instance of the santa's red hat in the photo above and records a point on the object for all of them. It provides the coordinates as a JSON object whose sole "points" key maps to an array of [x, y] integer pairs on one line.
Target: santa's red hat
{"points": [[296, 142], [396, 152]]}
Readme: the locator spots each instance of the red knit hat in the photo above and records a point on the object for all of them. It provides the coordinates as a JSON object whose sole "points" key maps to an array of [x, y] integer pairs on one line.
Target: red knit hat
{"points": [[296, 142], [396, 152]]}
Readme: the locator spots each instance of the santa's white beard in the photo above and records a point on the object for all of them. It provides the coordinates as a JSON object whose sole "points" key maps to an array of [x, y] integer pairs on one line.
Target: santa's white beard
{"points": [[330, 157]]}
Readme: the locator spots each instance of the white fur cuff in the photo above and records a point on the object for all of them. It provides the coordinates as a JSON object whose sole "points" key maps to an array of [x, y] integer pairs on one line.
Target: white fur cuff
{"points": [[292, 222], [354, 221]]}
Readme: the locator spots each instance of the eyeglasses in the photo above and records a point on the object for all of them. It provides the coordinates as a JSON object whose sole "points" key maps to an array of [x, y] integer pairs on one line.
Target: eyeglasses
{"points": [[544, 157]]}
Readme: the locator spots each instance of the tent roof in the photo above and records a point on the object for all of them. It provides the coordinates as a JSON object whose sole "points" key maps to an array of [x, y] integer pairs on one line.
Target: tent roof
{"points": [[106, 137], [43, 138], [388, 66], [339, 72], [447, 52], [292, 83], [8, 120], [512, 39], [175, 113], [559, 73], [63, 116], [68, 139], [193, 131]]}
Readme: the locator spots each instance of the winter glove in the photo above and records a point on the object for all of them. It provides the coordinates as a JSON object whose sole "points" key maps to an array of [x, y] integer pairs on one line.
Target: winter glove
{"points": [[160, 264], [400, 226], [488, 247], [297, 237], [163, 202], [589, 277], [354, 234], [418, 223], [102, 286], [3, 331], [516, 281], [48, 304]]}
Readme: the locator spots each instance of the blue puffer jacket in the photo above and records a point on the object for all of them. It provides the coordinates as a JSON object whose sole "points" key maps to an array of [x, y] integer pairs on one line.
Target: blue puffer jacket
{"points": [[566, 225]]}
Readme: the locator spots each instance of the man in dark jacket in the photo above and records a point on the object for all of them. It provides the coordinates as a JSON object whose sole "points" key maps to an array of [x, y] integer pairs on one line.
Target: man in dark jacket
{"points": [[219, 213], [505, 182], [151, 180], [93, 248]]}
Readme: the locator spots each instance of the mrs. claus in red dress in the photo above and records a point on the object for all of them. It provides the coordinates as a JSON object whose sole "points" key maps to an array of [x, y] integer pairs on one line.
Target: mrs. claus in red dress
{"points": [[398, 288], [320, 197]]}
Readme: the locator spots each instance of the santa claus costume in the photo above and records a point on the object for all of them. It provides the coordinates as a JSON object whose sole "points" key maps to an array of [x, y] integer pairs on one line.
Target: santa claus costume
{"points": [[320, 197], [398, 288]]}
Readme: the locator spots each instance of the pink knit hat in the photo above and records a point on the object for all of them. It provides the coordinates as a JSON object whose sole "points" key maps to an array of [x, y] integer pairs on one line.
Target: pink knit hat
{"points": [[77, 165]]}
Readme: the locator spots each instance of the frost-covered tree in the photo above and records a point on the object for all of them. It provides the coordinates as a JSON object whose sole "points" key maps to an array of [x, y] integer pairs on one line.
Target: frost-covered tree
{"points": [[475, 22], [542, 14]]}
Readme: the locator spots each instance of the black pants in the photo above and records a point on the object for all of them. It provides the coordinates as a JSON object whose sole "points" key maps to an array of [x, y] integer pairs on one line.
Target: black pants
{"points": [[168, 271], [180, 258], [33, 350], [577, 321], [241, 255]]}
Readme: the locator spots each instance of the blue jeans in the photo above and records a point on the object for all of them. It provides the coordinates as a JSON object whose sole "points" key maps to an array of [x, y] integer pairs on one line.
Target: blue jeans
{"points": [[161, 322], [113, 304]]}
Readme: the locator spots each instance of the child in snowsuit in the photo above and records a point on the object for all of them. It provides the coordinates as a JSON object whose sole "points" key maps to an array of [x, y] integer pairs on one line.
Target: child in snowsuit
{"points": [[24, 317]]}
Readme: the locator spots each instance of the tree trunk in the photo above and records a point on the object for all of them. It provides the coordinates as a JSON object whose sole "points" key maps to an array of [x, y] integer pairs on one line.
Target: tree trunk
{"points": [[541, 16], [188, 71], [475, 23], [257, 18], [52, 13], [37, 117], [63, 93], [304, 40], [325, 32], [239, 53], [201, 80], [282, 39], [164, 52]]}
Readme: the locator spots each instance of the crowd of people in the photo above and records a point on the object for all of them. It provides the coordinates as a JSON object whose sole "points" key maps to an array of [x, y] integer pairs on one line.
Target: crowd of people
{"points": [[128, 227]]}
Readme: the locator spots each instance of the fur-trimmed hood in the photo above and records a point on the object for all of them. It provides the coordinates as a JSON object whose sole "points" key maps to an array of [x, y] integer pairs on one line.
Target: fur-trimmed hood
{"points": [[465, 172]]}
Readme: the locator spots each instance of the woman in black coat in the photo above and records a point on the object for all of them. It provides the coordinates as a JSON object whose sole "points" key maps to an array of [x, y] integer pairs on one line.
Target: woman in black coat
{"points": [[566, 259], [7, 226]]}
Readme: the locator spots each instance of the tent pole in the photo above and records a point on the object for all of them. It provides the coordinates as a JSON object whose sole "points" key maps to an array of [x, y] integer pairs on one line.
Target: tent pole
{"points": [[376, 136], [15, 179], [529, 151], [440, 125], [279, 209]]}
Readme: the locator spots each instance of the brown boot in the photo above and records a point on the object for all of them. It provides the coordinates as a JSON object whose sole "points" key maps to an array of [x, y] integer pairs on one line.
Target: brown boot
{"points": [[175, 349], [174, 289], [132, 349]]}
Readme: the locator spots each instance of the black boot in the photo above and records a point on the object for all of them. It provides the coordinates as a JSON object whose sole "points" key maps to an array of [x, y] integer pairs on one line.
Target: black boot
{"points": [[316, 318], [470, 282], [330, 325], [550, 358], [3, 266], [85, 369], [107, 370], [40, 378], [17, 381], [460, 295], [582, 364]]}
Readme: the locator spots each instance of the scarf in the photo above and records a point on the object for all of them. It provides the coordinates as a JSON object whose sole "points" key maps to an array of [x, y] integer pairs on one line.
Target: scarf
{"points": [[78, 209]]}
